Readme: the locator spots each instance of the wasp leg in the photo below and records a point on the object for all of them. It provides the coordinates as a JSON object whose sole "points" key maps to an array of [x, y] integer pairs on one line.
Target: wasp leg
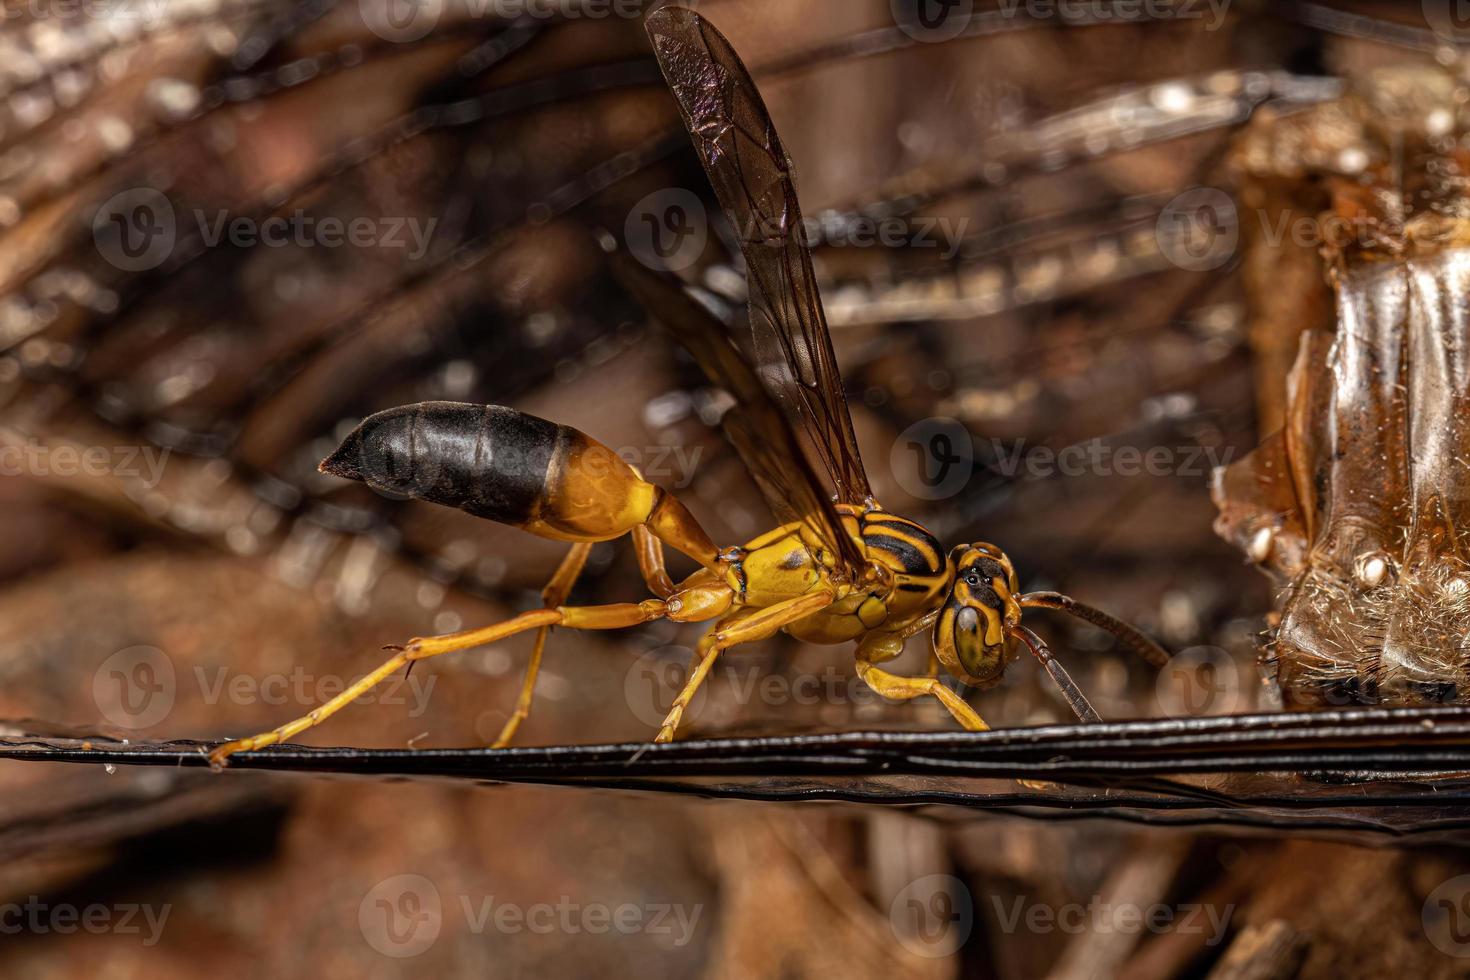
{"points": [[907, 688], [608, 617], [1131, 636], [651, 562], [745, 627], [876, 648], [553, 595]]}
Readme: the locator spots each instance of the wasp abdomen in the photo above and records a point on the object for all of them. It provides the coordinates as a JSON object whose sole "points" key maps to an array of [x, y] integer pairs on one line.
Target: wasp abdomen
{"points": [[500, 464]]}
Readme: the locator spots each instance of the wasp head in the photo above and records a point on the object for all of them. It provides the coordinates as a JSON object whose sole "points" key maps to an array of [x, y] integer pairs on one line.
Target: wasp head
{"points": [[972, 636]]}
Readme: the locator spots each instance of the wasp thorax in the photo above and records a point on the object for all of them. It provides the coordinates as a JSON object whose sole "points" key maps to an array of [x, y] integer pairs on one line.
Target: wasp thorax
{"points": [[972, 636]]}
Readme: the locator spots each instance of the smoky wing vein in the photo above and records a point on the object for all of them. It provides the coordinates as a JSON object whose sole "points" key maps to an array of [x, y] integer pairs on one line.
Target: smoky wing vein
{"points": [[752, 177], [755, 425]]}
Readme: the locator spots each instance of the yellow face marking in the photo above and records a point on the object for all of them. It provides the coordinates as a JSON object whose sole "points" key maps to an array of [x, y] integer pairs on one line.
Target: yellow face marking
{"points": [[994, 628], [971, 636]]}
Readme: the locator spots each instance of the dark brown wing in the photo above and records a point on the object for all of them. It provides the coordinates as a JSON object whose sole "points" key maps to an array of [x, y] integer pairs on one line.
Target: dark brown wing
{"points": [[752, 176], [755, 426]]}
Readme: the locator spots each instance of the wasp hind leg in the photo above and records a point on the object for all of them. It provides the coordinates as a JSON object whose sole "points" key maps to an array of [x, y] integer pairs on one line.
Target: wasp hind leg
{"points": [[555, 593], [650, 562], [617, 616]]}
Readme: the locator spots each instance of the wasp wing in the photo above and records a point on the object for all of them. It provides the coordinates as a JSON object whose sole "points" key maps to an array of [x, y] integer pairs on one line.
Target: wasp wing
{"points": [[755, 425], [752, 176]]}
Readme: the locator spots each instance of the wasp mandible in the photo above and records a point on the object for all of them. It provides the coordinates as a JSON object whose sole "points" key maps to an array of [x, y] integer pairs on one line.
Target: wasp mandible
{"points": [[837, 569]]}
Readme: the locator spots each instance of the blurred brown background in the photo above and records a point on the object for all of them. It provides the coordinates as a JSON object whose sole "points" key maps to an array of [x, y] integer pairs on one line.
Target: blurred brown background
{"points": [[193, 576]]}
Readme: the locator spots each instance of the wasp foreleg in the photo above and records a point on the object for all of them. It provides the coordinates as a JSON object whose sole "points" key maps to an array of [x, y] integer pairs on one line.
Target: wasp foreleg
{"points": [[907, 688], [876, 648]]}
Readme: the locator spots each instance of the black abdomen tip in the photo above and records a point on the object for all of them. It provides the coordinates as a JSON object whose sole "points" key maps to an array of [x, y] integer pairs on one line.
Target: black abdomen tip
{"points": [[343, 461], [484, 459]]}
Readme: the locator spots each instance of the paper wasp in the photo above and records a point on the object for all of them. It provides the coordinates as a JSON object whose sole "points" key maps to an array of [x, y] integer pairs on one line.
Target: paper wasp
{"points": [[837, 569]]}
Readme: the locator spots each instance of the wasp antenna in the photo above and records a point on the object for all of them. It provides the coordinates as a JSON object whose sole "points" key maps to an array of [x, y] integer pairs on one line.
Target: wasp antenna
{"points": [[1130, 636], [1078, 702]]}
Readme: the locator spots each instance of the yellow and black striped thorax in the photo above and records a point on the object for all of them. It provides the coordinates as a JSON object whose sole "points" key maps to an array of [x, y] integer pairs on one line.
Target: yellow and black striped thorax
{"points": [[915, 557]]}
